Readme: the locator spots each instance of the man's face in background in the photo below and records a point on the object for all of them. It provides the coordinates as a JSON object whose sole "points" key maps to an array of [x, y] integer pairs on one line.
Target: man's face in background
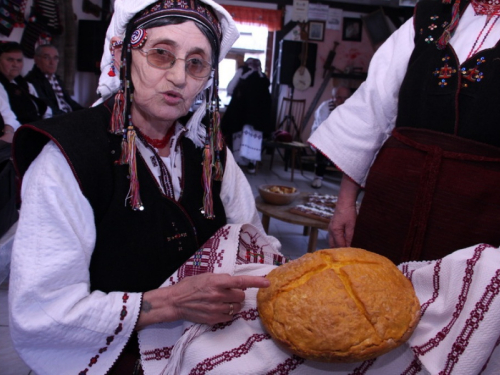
{"points": [[47, 60]]}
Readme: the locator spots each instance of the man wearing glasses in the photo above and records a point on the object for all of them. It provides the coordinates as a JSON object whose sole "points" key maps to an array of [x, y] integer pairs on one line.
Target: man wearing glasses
{"points": [[48, 85], [14, 89]]}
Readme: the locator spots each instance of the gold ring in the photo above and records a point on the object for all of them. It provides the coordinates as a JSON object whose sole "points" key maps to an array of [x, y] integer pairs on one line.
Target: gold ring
{"points": [[231, 309]]}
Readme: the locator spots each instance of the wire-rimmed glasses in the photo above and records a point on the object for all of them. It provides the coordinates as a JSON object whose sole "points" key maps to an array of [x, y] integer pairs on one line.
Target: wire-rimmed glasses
{"points": [[163, 59]]}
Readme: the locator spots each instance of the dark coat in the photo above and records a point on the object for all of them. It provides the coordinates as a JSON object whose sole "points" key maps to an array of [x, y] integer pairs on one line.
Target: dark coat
{"points": [[47, 94], [25, 106], [250, 105]]}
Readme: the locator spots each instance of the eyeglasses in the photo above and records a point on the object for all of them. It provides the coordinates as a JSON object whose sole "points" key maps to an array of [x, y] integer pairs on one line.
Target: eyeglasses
{"points": [[47, 57], [162, 59]]}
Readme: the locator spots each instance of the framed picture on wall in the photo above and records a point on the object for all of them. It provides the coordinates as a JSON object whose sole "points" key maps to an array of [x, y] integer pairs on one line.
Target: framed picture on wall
{"points": [[352, 29], [317, 30]]}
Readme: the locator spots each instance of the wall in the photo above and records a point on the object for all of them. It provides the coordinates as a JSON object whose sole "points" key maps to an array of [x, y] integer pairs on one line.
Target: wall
{"points": [[363, 51], [85, 83]]}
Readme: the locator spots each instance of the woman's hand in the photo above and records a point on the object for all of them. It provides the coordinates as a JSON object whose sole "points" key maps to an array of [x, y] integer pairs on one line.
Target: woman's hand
{"points": [[8, 134], [206, 298], [341, 227]]}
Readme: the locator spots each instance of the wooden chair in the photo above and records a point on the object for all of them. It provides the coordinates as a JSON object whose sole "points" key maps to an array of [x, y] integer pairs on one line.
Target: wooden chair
{"points": [[290, 117]]}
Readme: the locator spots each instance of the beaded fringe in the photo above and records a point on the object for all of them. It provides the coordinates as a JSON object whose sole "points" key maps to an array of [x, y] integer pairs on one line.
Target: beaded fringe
{"points": [[118, 115], [219, 144], [208, 209], [447, 33], [133, 195]]}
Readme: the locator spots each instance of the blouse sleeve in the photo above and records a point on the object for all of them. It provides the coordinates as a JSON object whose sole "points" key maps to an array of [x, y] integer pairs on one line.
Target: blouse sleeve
{"points": [[238, 199], [9, 117], [353, 134], [55, 321]]}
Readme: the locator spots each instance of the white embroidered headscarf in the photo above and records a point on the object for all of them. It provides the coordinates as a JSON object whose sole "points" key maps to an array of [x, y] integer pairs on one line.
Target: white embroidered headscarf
{"points": [[129, 21], [124, 11]]}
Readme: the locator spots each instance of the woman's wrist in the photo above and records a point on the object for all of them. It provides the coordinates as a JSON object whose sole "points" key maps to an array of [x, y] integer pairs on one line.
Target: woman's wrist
{"points": [[156, 307], [8, 129], [348, 193]]}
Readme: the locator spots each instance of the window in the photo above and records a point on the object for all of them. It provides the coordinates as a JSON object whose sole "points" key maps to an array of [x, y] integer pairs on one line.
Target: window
{"points": [[251, 43]]}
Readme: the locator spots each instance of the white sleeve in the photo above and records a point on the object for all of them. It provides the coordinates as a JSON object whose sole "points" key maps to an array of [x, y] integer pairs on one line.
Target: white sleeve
{"points": [[238, 199], [354, 132], [32, 90], [9, 117], [55, 321]]}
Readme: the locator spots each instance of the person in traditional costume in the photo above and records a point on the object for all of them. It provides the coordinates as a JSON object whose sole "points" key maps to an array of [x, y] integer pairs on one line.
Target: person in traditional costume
{"points": [[104, 269], [339, 96], [48, 85], [421, 136], [249, 111], [15, 90], [116, 198]]}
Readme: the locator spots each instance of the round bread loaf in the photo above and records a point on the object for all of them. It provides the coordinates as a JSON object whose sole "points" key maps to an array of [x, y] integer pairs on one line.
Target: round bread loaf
{"points": [[339, 305]]}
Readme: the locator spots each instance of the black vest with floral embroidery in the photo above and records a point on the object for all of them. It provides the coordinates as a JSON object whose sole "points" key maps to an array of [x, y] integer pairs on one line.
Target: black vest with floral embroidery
{"points": [[438, 93], [135, 251]]}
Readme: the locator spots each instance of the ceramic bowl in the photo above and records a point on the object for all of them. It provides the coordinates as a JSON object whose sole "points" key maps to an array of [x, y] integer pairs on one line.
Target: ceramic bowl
{"points": [[278, 194]]}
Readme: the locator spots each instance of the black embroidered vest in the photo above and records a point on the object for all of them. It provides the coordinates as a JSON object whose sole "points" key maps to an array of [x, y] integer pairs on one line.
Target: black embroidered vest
{"points": [[28, 108], [439, 94], [135, 250]]}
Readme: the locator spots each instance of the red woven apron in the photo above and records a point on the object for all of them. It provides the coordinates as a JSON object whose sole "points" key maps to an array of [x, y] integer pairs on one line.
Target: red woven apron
{"points": [[429, 194]]}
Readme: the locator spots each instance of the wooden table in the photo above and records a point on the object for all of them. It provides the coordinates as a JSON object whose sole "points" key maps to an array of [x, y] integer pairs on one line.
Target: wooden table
{"points": [[293, 147], [283, 213]]}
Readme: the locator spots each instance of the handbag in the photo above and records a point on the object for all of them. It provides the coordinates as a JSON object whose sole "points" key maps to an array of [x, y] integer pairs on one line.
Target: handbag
{"points": [[247, 145]]}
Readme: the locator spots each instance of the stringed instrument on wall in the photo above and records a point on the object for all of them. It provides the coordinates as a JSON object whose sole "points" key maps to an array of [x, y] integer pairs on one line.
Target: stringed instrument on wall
{"points": [[302, 77], [327, 75]]}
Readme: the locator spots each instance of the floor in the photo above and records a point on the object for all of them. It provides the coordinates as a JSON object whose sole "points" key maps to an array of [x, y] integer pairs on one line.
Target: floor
{"points": [[294, 244]]}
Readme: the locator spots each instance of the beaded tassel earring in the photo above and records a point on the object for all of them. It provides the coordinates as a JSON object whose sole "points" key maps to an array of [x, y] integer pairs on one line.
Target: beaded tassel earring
{"points": [[121, 114], [208, 210]]}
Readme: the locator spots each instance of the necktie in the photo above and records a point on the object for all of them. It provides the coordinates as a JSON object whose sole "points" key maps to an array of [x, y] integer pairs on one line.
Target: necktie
{"points": [[63, 106]]}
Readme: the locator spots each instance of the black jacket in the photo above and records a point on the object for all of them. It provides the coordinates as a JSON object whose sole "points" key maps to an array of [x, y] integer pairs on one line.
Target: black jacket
{"points": [[25, 106], [47, 94]]}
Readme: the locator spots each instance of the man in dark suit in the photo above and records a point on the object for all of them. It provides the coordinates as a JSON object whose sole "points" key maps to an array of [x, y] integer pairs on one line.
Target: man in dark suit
{"points": [[48, 85]]}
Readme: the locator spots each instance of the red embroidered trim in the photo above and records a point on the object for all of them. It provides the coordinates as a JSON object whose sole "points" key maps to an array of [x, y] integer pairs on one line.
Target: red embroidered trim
{"points": [[289, 365], [158, 354], [250, 252], [205, 259], [109, 339], [472, 324], [467, 280], [435, 282], [414, 368], [210, 363]]}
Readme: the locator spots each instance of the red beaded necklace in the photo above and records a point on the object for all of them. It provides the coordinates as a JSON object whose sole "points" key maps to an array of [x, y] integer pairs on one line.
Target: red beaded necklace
{"points": [[160, 143], [474, 50]]}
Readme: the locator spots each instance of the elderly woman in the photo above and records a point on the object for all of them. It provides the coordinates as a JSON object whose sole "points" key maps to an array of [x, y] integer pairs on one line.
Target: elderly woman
{"points": [[117, 197]]}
